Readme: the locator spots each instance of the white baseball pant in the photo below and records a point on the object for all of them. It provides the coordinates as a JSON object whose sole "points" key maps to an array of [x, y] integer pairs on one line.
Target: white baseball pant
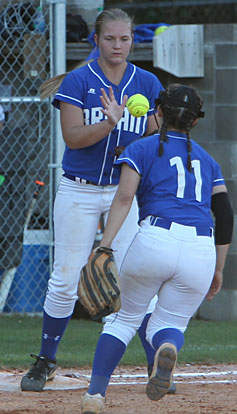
{"points": [[177, 264], [77, 211]]}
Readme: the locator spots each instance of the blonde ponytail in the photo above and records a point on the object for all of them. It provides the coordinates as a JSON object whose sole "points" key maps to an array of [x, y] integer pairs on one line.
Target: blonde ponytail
{"points": [[50, 87]]}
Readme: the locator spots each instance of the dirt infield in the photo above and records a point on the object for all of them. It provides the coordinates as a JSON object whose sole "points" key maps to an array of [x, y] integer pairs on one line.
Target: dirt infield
{"points": [[200, 390]]}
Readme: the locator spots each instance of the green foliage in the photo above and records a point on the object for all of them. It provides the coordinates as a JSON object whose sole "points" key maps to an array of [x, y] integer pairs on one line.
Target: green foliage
{"points": [[206, 342], [210, 342]]}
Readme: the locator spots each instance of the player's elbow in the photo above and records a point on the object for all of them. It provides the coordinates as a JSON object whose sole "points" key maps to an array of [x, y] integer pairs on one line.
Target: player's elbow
{"points": [[224, 218], [124, 198], [73, 141]]}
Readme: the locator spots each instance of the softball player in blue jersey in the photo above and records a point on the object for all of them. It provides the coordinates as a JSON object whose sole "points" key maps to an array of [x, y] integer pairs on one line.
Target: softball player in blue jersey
{"points": [[90, 179], [177, 184]]}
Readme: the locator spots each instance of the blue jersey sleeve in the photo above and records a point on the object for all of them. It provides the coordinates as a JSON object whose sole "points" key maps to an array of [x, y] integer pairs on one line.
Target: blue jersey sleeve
{"points": [[155, 87], [133, 155], [217, 176], [71, 90]]}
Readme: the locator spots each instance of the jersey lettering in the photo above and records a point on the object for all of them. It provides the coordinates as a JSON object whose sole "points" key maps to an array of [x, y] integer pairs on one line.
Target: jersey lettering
{"points": [[181, 181], [96, 115], [93, 116], [197, 173], [137, 129], [132, 122], [126, 123], [177, 161], [124, 120], [86, 116]]}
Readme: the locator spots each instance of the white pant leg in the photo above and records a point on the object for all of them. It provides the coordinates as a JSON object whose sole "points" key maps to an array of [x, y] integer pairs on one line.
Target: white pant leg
{"points": [[126, 234], [77, 211], [152, 265], [180, 296], [123, 240], [137, 292]]}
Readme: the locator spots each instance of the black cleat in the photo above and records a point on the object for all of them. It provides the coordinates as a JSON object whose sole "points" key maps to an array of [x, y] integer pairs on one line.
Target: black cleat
{"points": [[160, 380], [41, 371]]}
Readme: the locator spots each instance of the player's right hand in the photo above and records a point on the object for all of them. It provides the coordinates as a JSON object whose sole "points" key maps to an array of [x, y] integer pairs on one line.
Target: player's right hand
{"points": [[215, 285], [112, 110]]}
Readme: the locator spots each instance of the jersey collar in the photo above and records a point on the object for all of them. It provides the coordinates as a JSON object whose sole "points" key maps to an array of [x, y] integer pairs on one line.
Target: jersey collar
{"points": [[175, 134], [128, 72]]}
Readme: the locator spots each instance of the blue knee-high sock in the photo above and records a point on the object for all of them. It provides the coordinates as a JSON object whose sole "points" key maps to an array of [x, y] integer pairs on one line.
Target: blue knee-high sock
{"points": [[52, 332], [150, 352], [171, 335], [109, 351]]}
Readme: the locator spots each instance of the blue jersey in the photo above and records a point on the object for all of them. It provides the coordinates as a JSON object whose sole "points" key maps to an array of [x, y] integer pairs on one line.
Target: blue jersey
{"points": [[167, 189], [81, 87]]}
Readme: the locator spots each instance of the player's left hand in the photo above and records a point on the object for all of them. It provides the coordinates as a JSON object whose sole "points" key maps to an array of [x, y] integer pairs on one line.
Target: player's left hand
{"points": [[112, 109], [215, 285]]}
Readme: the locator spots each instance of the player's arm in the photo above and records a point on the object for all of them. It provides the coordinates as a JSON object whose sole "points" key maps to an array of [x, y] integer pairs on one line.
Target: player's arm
{"points": [[224, 221], [120, 207], [78, 135]]}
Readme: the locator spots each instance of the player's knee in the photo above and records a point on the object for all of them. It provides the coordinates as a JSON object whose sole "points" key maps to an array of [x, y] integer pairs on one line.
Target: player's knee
{"points": [[120, 330], [59, 305]]}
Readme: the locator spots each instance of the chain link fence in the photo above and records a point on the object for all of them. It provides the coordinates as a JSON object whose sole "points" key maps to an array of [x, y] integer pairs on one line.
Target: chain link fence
{"points": [[25, 155]]}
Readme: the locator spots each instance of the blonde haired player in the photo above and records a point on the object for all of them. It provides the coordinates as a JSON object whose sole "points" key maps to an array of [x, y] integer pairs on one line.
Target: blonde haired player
{"points": [[90, 180]]}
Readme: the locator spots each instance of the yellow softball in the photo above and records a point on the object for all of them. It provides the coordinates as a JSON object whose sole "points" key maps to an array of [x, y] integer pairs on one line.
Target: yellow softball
{"points": [[138, 105], [160, 30]]}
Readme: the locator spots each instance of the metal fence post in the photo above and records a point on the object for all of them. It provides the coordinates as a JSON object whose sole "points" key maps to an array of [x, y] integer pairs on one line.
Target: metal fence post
{"points": [[59, 58]]}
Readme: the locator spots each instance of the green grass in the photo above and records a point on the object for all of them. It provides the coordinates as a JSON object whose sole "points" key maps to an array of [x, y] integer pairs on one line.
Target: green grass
{"points": [[206, 342]]}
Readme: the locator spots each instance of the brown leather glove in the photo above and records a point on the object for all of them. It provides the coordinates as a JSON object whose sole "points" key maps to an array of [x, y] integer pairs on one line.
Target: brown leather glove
{"points": [[99, 285]]}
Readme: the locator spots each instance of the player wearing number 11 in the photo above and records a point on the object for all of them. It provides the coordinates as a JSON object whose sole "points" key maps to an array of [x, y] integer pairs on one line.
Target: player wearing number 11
{"points": [[176, 251]]}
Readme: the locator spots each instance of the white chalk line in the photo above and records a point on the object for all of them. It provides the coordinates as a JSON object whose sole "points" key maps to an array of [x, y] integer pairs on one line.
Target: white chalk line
{"points": [[187, 379], [177, 375], [178, 382], [183, 374]]}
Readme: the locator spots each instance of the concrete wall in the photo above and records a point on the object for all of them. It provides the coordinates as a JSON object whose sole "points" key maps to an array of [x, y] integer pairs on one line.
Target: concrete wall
{"points": [[217, 133]]}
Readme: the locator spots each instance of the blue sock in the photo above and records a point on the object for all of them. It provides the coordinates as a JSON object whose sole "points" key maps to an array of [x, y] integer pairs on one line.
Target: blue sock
{"points": [[171, 335], [150, 352], [52, 332], [109, 351]]}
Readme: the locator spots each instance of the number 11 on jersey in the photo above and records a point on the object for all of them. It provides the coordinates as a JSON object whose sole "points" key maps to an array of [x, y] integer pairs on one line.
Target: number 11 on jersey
{"points": [[177, 161]]}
